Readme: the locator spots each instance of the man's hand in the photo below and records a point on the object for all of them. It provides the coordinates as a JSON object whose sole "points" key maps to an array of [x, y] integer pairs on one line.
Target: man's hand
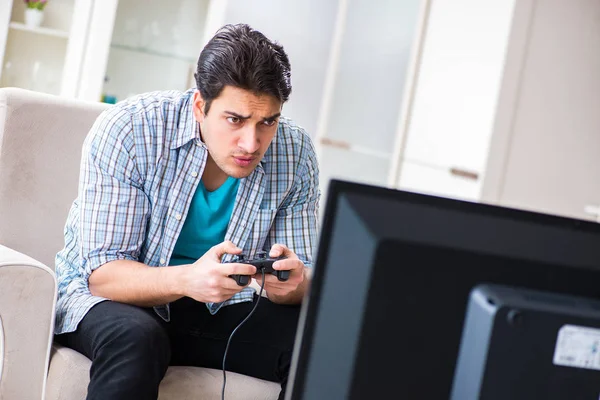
{"points": [[292, 290], [208, 281]]}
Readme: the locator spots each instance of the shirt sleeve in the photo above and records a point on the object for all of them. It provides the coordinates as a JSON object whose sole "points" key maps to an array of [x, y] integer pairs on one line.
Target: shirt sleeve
{"points": [[296, 221], [114, 208]]}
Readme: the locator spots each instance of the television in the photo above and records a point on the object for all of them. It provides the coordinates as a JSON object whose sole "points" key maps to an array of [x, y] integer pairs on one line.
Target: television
{"points": [[393, 275]]}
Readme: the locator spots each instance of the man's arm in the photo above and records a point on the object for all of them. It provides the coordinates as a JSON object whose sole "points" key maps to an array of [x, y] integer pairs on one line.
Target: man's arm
{"points": [[294, 231], [135, 283], [207, 280]]}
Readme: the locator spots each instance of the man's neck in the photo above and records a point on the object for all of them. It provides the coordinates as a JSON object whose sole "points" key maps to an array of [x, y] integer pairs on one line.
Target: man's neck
{"points": [[213, 177]]}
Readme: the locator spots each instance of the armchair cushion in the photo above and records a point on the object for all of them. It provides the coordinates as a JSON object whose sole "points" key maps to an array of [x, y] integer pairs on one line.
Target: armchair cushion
{"points": [[69, 376]]}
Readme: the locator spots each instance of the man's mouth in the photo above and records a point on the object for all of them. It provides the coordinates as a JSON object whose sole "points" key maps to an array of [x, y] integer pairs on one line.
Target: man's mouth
{"points": [[243, 161]]}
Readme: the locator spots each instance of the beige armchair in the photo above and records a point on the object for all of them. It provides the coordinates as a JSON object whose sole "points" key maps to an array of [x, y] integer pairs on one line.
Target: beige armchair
{"points": [[40, 148]]}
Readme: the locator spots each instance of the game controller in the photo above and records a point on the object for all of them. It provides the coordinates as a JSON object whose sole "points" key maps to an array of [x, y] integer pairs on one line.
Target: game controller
{"points": [[261, 262]]}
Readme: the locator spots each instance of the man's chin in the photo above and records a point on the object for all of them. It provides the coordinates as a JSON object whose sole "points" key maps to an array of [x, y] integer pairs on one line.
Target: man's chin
{"points": [[240, 172]]}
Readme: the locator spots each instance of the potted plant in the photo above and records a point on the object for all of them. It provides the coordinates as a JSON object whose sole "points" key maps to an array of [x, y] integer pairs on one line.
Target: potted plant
{"points": [[34, 13]]}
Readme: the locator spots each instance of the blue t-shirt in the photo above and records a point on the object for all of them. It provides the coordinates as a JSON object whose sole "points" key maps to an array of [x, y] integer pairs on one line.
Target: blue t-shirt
{"points": [[206, 222]]}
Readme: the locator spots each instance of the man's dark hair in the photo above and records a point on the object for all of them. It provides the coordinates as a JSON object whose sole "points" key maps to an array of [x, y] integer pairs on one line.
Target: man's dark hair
{"points": [[240, 56]]}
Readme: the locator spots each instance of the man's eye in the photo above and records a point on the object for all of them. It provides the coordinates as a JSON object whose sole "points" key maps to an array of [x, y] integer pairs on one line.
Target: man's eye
{"points": [[233, 120], [270, 122]]}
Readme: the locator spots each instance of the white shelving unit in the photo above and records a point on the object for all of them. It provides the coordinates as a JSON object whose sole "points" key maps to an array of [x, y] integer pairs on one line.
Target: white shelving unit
{"points": [[39, 31], [51, 58], [167, 36], [155, 53], [89, 48], [34, 58]]}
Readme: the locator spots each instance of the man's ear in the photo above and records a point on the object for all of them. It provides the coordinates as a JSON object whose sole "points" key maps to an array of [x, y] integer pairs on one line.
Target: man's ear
{"points": [[198, 106]]}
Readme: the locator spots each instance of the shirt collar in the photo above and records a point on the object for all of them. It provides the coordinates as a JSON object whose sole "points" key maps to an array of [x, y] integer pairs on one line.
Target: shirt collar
{"points": [[188, 128]]}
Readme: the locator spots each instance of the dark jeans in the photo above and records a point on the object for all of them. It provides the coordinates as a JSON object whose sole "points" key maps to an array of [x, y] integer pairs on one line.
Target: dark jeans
{"points": [[131, 347]]}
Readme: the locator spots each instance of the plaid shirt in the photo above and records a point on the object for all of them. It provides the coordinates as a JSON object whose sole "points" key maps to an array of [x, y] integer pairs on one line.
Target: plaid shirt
{"points": [[140, 167]]}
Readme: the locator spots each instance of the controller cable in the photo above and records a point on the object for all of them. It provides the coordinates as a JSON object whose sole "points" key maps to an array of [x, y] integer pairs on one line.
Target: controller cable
{"points": [[235, 330]]}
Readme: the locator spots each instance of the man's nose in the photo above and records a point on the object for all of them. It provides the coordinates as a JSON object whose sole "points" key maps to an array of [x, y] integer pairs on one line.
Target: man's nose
{"points": [[249, 140]]}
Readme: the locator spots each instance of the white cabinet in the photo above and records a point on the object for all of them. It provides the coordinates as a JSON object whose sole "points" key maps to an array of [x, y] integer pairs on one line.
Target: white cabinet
{"points": [[505, 106], [349, 164], [545, 150], [445, 182], [452, 110], [371, 58]]}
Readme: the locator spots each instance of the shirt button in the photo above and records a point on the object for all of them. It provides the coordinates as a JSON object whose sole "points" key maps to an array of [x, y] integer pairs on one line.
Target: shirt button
{"points": [[163, 261], [194, 174], [178, 217], [198, 144]]}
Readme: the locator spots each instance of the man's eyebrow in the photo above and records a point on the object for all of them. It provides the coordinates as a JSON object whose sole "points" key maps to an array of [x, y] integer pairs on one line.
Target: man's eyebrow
{"points": [[272, 117], [234, 114], [244, 117]]}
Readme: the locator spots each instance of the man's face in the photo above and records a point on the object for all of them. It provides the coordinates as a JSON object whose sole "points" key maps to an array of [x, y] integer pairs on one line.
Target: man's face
{"points": [[238, 128]]}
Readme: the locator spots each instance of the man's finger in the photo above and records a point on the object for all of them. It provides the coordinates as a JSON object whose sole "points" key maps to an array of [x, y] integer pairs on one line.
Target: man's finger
{"points": [[268, 278], [287, 265], [232, 287], [226, 247], [281, 250], [238, 269]]}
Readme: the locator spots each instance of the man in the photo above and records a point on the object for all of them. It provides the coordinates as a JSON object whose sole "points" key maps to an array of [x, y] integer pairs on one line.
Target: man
{"points": [[172, 186]]}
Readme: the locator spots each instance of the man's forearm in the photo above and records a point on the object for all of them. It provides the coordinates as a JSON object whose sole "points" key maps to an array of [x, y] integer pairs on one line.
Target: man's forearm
{"points": [[135, 283]]}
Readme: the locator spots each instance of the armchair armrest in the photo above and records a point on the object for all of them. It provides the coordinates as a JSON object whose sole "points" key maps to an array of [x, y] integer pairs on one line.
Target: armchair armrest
{"points": [[27, 306]]}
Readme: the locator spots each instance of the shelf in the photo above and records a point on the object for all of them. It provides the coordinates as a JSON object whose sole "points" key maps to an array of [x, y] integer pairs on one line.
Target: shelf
{"points": [[39, 31], [155, 53]]}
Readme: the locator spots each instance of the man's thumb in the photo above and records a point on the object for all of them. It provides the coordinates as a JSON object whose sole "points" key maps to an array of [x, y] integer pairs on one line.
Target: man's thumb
{"points": [[226, 247]]}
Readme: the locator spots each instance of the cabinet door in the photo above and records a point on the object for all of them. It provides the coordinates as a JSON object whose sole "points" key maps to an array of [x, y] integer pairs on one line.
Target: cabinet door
{"points": [[459, 76], [552, 163], [363, 100], [343, 164], [435, 181]]}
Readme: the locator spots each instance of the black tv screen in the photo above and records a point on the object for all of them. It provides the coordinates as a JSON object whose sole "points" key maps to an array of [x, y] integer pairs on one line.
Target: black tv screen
{"points": [[392, 278]]}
